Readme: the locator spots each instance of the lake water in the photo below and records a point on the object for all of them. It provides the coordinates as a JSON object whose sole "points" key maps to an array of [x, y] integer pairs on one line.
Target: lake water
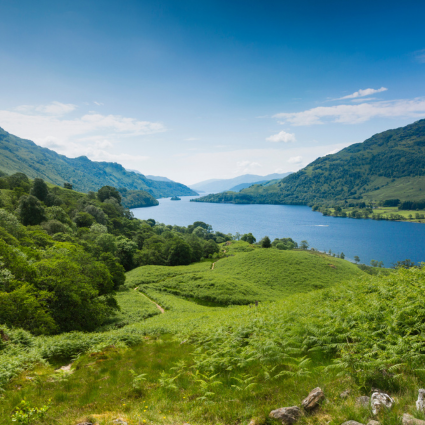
{"points": [[386, 241]]}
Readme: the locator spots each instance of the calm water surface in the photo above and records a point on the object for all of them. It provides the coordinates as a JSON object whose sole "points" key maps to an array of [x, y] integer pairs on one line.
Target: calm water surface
{"points": [[369, 239]]}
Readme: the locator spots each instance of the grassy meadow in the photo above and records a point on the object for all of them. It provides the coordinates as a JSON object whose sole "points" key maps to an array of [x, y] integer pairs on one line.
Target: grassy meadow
{"points": [[321, 321]]}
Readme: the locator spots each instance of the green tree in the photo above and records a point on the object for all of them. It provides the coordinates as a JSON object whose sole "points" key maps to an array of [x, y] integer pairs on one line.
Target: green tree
{"points": [[248, 237], [179, 252], [210, 248], [30, 211], [265, 242], [126, 249], [67, 186], [356, 259], [304, 244], [342, 255], [84, 219], [107, 192], [39, 189]]}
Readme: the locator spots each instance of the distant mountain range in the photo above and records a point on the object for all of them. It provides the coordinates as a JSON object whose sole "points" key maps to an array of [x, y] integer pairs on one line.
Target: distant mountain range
{"points": [[389, 165], [156, 178], [20, 155], [220, 185]]}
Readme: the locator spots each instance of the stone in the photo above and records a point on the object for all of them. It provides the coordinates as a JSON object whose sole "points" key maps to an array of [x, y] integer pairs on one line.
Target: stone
{"points": [[345, 394], [420, 403], [352, 423], [119, 421], [372, 422], [313, 399], [410, 420], [363, 401], [288, 415], [380, 400], [85, 423]]}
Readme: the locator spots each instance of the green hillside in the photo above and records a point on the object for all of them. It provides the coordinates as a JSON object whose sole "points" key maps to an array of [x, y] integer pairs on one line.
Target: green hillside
{"points": [[259, 275], [388, 165], [24, 156]]}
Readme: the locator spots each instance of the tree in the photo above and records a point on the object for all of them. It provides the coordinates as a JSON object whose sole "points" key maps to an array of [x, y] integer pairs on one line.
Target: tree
{"points": [[356, 258], [405, 264], [30, 211], [210, 248], [342, 255], [67, 186], [237, 236], [39, 189], [265, 242], [126, 249], [179, 252], [248, 237], [107, 192], [83, 219], [376, 263], [304, 245]]}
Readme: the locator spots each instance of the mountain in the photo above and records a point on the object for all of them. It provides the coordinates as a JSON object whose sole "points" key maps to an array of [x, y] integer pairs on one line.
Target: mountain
{"points": [[20, 155], [156, 178], [220, 185], [241, 186], [389, 165]]}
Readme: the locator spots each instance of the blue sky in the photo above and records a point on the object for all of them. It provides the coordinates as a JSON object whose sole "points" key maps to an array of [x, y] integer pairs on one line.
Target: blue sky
{"points": [[194, 90]]}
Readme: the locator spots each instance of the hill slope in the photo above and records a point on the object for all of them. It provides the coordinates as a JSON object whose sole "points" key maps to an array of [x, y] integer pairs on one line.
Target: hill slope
{"points": [[388, 165], [20, 155], [219, 185]]}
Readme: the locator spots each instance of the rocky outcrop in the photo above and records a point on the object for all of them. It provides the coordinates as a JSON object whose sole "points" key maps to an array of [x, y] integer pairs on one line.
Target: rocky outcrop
{"points": [[420, 403], [313, 399], [363, 401], [352, 423], [345, 394], [371, 422], [380, 401], [410, 420], [287, 415]]}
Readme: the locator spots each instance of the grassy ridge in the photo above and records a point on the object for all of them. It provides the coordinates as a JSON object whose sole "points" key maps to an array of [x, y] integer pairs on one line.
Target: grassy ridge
{"points": [[247, 275]]}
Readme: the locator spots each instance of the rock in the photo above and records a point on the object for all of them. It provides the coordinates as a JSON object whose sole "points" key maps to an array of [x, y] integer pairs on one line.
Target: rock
{"points": [[313, 399], [371, 422], [420, 403], [380, 400], [85, 423], [410, 420], [345, 394], [363, 401], [352, 423], [119, 421], [288, 415]]}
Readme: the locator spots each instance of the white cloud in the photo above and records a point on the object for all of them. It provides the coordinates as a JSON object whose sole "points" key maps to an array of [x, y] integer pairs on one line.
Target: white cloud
{"points": [[353, 114], [91, 134], [54, 108], [362, 93], [364, 99], [333, 151], [420, 56], [192, 139], [98, 103], [295, 160], [282, 136], [244, 167]]}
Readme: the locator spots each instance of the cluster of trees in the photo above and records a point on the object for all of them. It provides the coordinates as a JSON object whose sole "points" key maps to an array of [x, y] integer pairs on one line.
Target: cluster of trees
{"points": [[412, 205], [63, 254]]}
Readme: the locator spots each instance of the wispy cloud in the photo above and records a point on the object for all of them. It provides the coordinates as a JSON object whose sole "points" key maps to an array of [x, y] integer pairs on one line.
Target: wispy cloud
{"points": [[283, 137], [295, 160], [246, 166], [362, 93], [354, 114], [90, 134], [420, 56], [98, 103]]}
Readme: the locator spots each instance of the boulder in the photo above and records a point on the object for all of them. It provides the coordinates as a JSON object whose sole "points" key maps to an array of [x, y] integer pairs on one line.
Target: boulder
{"points": [[363, 401], [85, 423], [372, 422], [410, 420], [380, 400], [288, 415], [352, 423], [119, 421], [345, 394], [313, 399], [420, 403]]}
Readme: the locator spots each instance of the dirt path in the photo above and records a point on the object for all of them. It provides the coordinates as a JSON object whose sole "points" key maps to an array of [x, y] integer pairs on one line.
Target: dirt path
{"points": [[153, 302]]}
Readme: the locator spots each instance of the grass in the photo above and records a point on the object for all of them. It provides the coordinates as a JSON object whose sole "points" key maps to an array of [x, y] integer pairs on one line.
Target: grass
{"points": [[246, 275]]}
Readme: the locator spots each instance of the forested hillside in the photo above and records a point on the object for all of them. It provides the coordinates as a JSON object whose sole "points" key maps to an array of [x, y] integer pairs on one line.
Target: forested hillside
{"points": [[20, 155], [388, 165]]}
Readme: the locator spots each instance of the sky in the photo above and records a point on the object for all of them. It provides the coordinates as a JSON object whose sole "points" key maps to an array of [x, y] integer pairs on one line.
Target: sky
{"points": [[194, 90]]}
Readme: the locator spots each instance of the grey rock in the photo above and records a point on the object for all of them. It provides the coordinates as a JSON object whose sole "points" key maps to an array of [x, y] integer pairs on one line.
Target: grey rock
{"points": [[380, 401], [410, 420], [345, 394], [313, 399], [363, 401], [85, 423], [288, 415], [420, 403], [352, 423], [372, 422], [119, 421]]}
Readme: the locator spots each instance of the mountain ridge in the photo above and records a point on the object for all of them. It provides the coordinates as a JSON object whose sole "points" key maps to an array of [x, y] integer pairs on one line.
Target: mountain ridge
{"points": [[22, 155]]}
